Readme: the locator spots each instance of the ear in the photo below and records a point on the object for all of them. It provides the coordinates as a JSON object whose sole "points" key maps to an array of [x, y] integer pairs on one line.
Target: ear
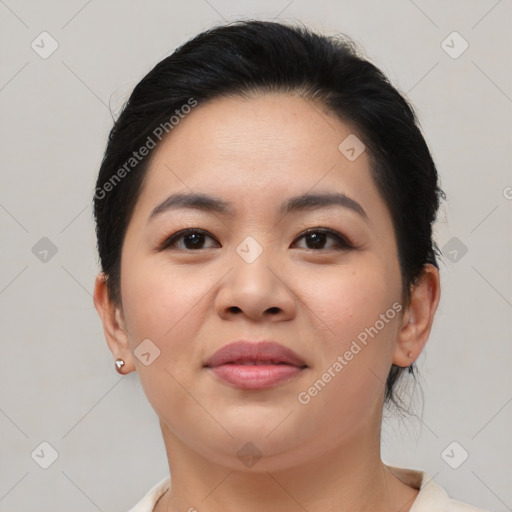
{"points": [[418, 317], [114, 326]]}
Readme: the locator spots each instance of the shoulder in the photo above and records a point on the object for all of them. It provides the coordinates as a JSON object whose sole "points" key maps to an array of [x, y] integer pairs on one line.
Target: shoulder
{"points": [[147, 503], [431, 497], [459, 506]]}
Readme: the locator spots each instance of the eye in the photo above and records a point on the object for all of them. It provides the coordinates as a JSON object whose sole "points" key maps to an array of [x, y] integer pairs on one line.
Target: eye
{"points": [[193, 239], [316, 239]]}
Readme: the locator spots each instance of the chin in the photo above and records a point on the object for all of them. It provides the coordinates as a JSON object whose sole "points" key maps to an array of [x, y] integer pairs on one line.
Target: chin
{"points": [[254, 454]]}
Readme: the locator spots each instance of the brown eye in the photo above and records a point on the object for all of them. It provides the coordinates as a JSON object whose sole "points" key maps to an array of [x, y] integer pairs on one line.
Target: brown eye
{"points": [[187, 239], [317, 238]]}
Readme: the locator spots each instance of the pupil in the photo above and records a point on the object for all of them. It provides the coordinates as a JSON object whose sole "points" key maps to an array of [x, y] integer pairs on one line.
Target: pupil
{"points": [[196, 239], [317, 239]]}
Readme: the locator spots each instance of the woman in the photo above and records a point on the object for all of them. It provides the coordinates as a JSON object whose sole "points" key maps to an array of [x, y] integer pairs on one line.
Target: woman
{"points": [[264, 216]]}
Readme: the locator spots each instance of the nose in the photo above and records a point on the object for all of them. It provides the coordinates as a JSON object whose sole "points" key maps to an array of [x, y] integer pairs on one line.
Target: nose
{"points": [[257, 290]]}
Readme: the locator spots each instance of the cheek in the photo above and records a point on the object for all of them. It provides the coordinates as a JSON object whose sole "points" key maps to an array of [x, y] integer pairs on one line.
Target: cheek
{"points": [[159, 304], [162, 303], [355, 306], [351, 299], [166, 307]]}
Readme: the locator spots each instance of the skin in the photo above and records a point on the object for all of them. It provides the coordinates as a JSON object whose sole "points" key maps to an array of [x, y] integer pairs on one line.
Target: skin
{"points": [[321, 456]]}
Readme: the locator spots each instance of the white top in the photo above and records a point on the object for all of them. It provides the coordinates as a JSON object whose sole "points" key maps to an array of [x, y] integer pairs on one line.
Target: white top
{"points": [[431, 498]]}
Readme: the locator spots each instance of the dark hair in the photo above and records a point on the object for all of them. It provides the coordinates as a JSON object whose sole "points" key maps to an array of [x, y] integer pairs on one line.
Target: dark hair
{"points": [[247, 57]]}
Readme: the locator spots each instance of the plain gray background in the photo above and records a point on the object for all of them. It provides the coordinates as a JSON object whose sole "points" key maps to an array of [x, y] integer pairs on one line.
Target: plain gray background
{"points": [[58, 383]]}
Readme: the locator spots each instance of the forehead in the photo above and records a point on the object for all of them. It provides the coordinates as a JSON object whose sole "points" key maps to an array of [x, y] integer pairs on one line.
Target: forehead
{"points": [[257, 151]]}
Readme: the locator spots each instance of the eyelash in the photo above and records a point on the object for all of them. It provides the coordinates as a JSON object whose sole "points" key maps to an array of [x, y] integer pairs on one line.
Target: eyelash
{"points": [[342, 242]]}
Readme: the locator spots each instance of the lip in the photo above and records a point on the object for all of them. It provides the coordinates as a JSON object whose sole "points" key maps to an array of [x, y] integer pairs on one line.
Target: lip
{"points": [[255, 365]]}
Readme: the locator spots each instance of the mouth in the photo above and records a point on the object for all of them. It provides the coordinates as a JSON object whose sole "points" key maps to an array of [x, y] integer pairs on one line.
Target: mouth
{"points": [[255, 365]]}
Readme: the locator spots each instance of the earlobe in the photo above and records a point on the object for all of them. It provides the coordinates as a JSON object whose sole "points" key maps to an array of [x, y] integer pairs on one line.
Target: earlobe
{"points": [[418, 317], [114, 326]]}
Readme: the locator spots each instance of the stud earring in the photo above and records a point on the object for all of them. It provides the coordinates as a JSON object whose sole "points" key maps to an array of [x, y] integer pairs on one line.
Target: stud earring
{"points": [[119, 363]]}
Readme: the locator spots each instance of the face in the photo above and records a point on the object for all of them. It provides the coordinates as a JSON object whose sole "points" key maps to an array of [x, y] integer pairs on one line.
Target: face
{"points": [[318, 277]]}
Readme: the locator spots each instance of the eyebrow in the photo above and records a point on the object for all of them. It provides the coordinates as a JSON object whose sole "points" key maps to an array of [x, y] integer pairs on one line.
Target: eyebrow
{"points": [[303, 202]]}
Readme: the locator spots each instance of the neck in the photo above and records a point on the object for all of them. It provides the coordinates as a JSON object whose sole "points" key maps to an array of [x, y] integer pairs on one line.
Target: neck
{"points": [[348, 477]]}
